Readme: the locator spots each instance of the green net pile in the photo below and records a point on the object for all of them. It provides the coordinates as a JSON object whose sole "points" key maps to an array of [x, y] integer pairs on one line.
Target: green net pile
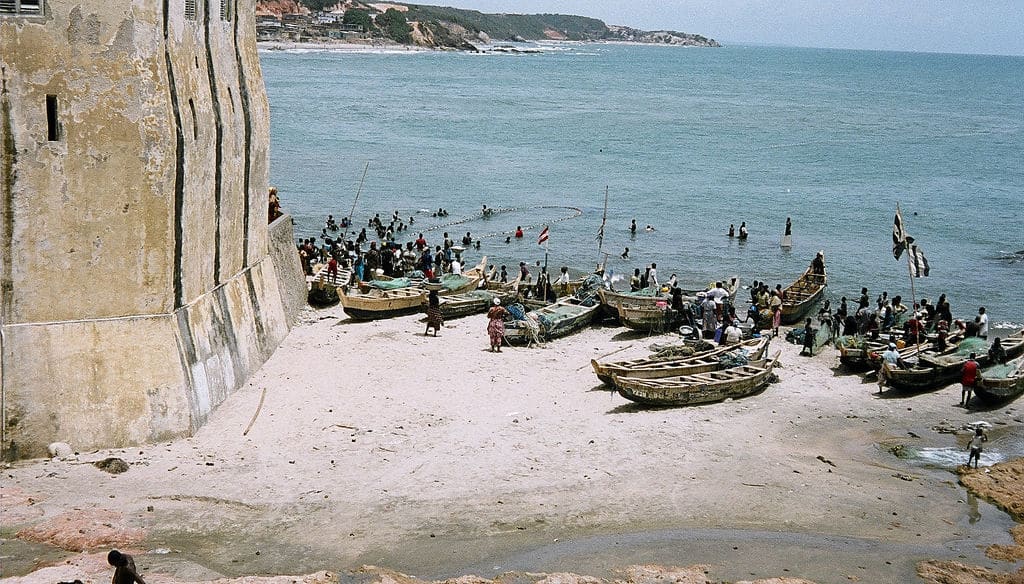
{"points": [[390, 284], [1002, 371], [453, 281], [972, 345]]}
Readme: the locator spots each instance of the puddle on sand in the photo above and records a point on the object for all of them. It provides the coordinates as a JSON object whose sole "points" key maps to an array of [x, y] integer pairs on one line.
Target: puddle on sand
{"points": [[1004, 443]]}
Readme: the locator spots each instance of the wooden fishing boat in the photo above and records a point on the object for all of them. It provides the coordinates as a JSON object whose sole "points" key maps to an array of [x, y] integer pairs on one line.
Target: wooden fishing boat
{"points": [[937, 369], [653, 368], [654, 319], [803, 294], [376, 303], [998, 389], [555, 320], [476, 301], [698, 388], [649, 297]]}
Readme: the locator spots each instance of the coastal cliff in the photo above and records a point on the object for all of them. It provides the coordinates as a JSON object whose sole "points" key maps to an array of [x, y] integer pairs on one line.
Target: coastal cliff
{"points": [[443, 27]]}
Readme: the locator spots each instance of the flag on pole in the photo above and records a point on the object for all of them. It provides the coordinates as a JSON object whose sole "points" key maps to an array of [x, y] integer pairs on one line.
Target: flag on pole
{"points": [[543, 235], [899, 237], [918, 263]]}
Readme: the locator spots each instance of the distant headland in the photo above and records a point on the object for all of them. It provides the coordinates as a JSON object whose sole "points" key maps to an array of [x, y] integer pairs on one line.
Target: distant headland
{"points": [[437, 27]]}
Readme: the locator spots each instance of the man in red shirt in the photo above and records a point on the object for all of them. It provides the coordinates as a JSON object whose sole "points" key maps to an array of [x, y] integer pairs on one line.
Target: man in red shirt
{"points": [[968, 379]]}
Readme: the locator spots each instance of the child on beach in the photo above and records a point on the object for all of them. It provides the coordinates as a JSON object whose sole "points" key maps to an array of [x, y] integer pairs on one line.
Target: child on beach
{"points": [[975, 447]]}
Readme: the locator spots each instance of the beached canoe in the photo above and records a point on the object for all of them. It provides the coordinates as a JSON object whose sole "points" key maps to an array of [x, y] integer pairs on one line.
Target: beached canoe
{"points": [[476, 301], [803, 294], [652, 319], [653, 368], [650, 296], [938, 369], [698, 388], [1001, 383], [555, 320], [377, 303]]}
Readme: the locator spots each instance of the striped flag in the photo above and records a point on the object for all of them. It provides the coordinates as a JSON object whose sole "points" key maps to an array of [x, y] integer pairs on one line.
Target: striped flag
{"points": [[899, 237], [543, 235], [918, 263]]}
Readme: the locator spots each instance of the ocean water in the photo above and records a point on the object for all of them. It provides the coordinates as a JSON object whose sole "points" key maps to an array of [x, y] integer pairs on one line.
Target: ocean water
{"points": [[686, 140]]}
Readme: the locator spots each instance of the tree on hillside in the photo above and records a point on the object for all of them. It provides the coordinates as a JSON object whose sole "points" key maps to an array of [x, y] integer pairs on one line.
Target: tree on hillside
{"points": [[318, 5], [358, 17], [395, 27]]}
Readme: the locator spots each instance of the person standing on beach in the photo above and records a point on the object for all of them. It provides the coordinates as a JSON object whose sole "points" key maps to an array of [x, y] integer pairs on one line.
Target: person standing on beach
{"points": [[775, 304], [975, 447], [968, 378], [982, 323], [496, 325], [634, 281], [809, 334], [124, 569], [434, 317], [708, 318], [652, 276]]}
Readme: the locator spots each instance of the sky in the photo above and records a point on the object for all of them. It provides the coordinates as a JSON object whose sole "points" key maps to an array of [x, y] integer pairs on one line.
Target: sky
{"points": [[938, 26]]}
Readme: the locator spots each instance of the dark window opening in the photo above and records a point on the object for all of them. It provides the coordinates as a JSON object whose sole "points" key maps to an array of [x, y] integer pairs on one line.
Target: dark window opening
{"points": [[21, 7], [52, 123], [231, 98], [225, 9], [190, 9], [195, 123], [197, 61]]}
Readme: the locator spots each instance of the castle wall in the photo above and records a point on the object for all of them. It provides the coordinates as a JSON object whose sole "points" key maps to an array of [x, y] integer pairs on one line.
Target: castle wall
{"points": [[137, 286]]}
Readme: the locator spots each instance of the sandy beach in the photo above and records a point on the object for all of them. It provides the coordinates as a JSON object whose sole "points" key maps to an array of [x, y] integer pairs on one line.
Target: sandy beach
{"points": [[376, 445]]}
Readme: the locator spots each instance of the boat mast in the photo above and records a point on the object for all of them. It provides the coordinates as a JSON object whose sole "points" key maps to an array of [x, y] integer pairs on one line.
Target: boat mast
{"points": [[356, 200]]}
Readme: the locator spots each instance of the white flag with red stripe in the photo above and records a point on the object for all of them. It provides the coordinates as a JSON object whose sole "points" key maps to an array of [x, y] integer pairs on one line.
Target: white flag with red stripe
{"points": [[543, 235]]}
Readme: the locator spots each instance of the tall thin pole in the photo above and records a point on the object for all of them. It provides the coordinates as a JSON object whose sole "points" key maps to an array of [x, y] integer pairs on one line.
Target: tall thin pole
{"points": [[600, 233], [910, 272], [356, 200]]}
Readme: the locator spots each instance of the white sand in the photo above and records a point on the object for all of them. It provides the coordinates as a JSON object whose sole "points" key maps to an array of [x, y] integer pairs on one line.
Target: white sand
{"points": [[378, 445]]}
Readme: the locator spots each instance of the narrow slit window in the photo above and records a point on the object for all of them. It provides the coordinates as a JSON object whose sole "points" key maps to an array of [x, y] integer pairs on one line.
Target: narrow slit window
{"points": [[225, 9], [52, 121], [195, 123]]}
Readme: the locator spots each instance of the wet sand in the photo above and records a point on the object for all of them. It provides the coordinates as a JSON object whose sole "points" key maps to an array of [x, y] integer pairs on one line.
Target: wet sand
{"points": [[437, 458]]}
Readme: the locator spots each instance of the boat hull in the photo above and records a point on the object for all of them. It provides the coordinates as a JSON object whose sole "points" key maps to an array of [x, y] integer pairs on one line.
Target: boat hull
{"points": [[660, 369], [698, 389], [559, 319]]}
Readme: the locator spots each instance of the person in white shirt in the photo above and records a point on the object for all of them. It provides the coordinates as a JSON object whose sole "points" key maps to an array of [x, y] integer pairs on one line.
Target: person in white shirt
{"points": [[982, 323], [733, 333], [652, 276], [890, 360], [456, 267]]}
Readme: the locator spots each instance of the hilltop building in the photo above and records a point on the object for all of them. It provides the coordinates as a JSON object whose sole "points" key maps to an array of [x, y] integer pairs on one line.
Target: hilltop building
{"points": [[140, 283]]}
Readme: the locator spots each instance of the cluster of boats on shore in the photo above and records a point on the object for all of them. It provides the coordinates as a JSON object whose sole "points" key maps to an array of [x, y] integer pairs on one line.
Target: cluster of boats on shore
{"points": [[717, 373], [927, 365]]}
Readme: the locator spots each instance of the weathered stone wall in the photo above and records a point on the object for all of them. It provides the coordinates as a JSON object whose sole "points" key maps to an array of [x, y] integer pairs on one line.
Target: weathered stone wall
{"points": [[136, 288], [290, 277]]}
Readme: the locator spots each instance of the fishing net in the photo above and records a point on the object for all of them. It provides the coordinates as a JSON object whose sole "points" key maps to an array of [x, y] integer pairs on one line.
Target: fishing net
{"points": [[453, 281], [972, 345], [390, 284], [734, 359], [517, 311], [669, 352], [587, 292], [1001, 371], [851, 342]]}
